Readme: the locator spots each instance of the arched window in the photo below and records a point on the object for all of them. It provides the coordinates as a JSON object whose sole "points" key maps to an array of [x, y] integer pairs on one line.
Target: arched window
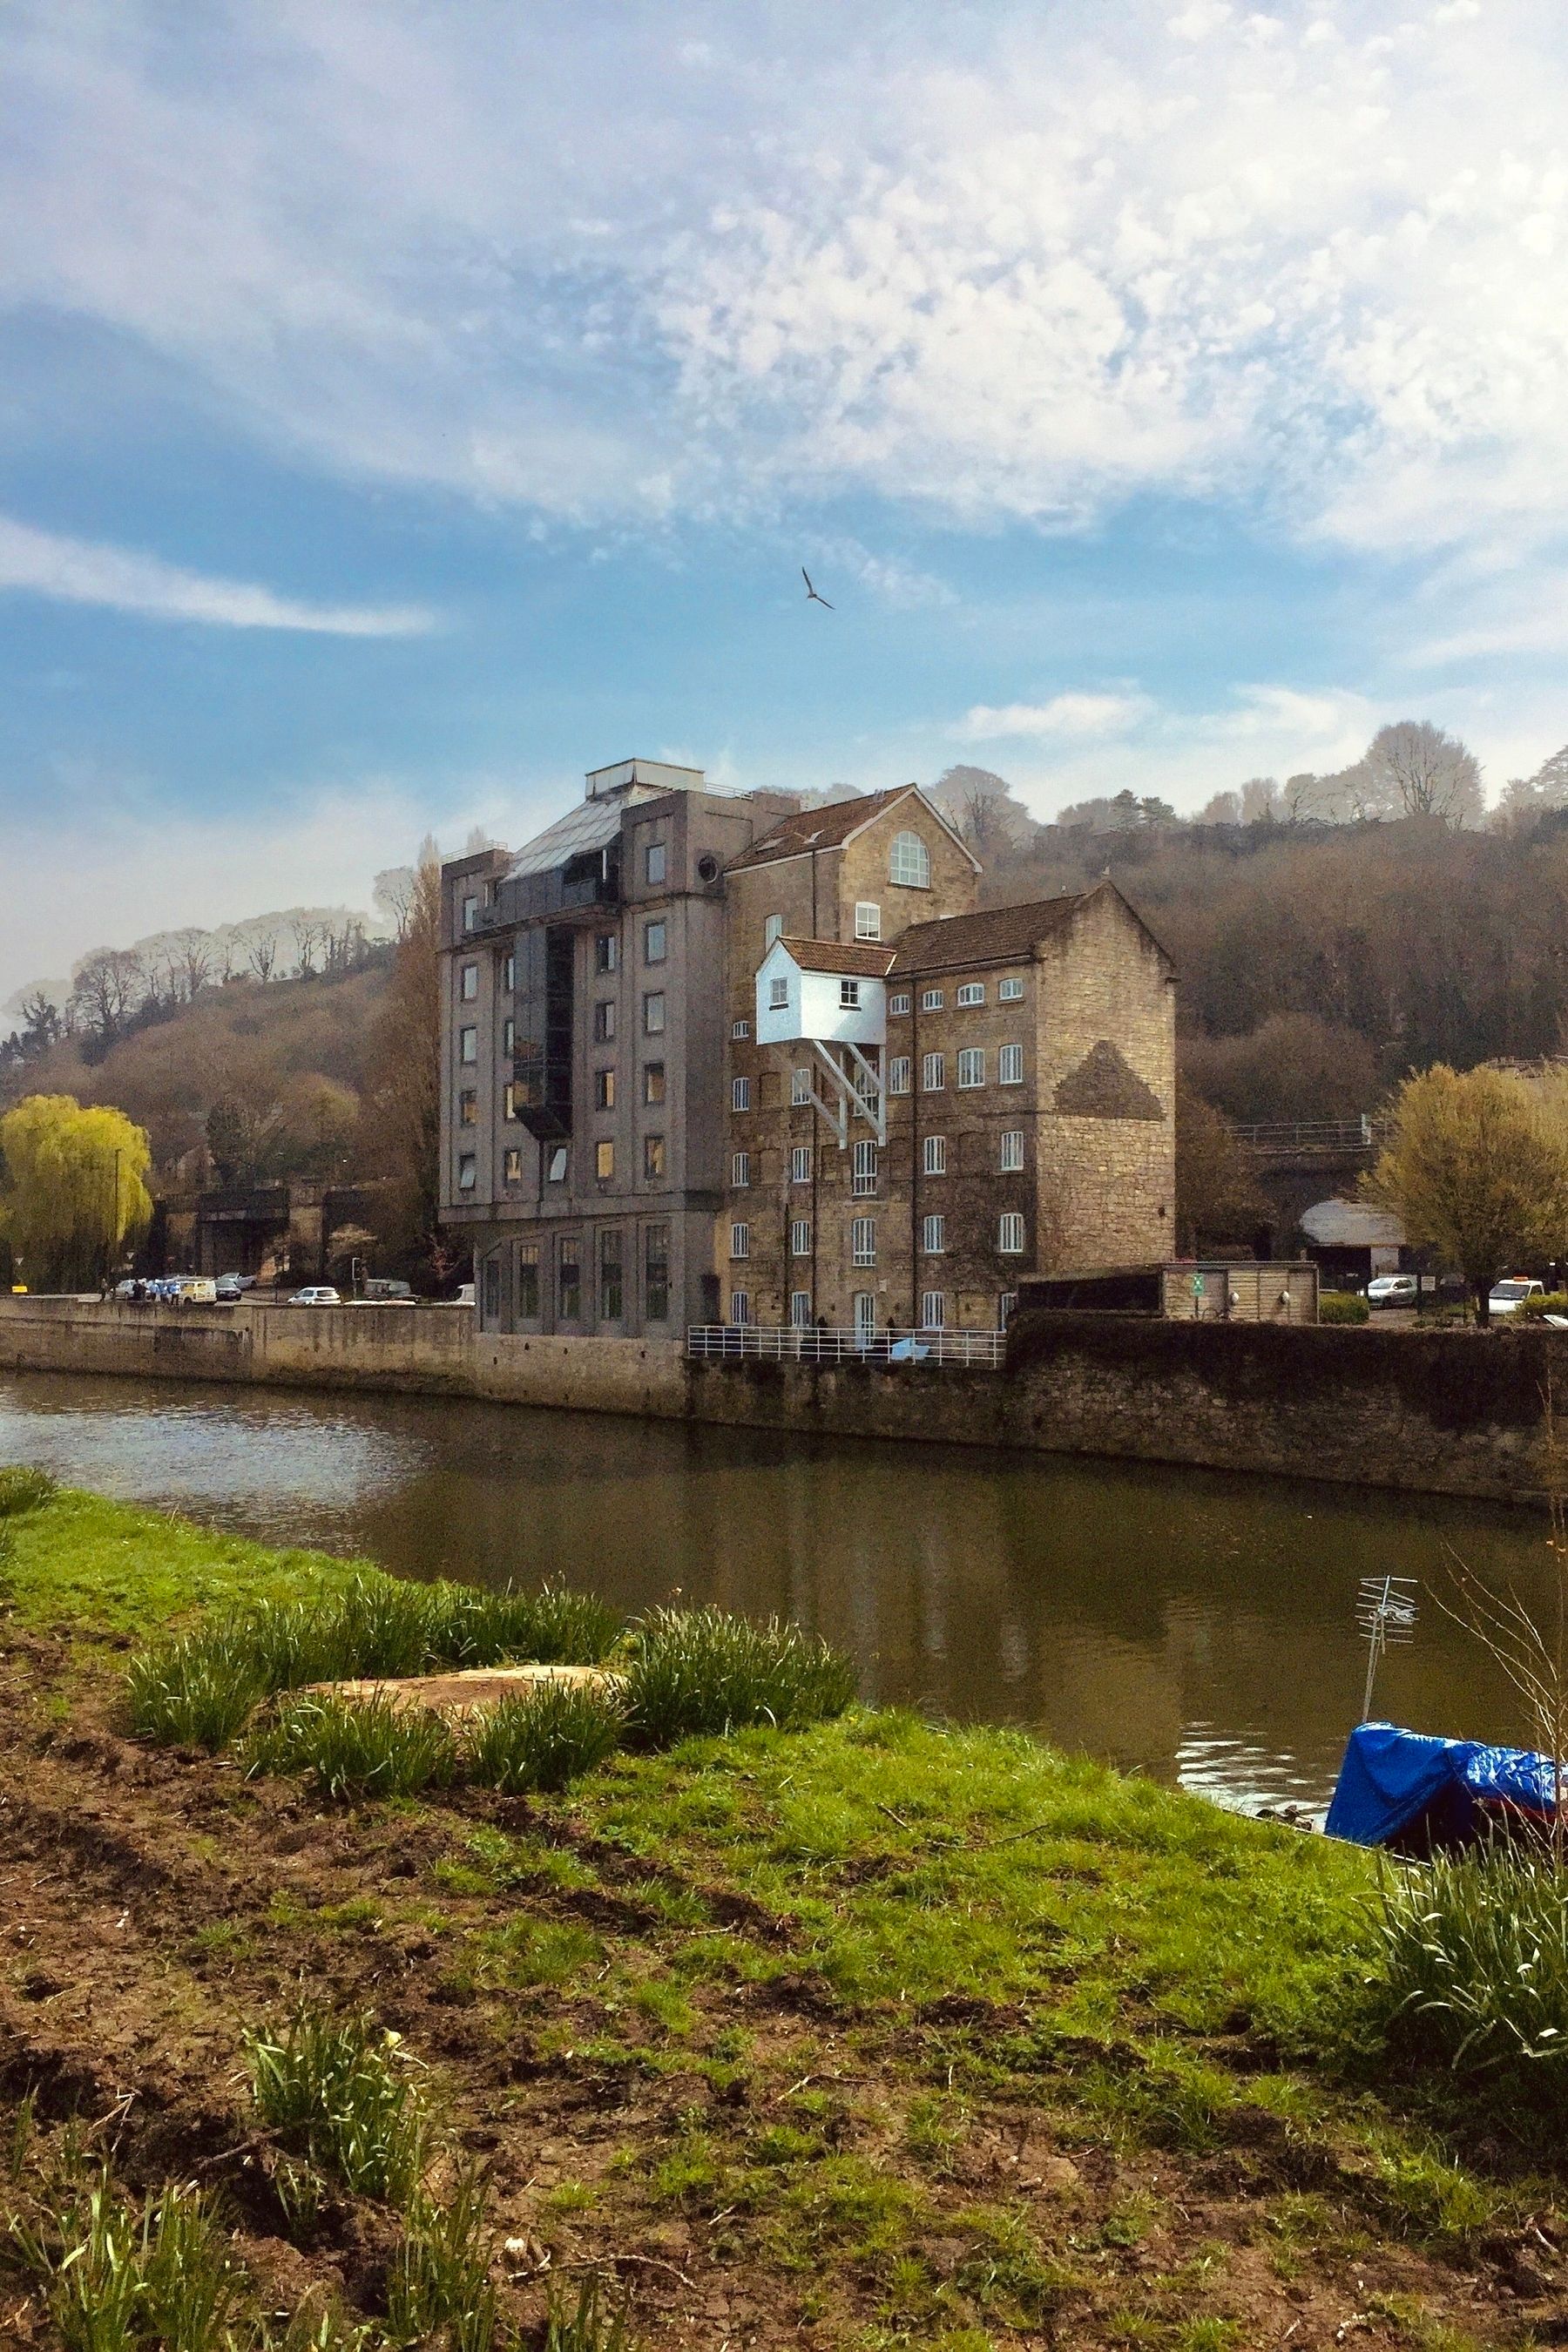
{"points": [[909, 861]]}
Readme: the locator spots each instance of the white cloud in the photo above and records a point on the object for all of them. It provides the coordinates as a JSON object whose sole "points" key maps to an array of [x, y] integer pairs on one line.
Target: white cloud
{"points": [[81, 571], [1073, 716]]}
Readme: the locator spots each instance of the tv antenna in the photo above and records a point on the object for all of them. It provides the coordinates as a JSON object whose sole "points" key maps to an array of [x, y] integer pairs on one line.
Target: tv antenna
{"points": [[1385, 1618]]}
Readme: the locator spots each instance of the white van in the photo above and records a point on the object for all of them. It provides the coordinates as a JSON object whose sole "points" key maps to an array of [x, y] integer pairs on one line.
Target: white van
{"points": [[192, 1290], [1508, 1298]]}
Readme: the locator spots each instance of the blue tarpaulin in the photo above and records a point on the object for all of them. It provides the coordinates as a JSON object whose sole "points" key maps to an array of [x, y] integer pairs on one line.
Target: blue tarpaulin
{"points": [[1405, 1786]]}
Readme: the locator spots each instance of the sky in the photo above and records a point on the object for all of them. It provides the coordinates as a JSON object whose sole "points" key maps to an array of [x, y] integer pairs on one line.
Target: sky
{"points": [[404, 409]]}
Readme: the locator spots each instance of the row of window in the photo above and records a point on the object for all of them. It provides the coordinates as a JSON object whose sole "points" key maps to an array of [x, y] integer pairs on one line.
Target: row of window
{"points": [[570, 1278], [863, 1180], [863, 1237], [606, 958], [653, 1093], [934, 1309], [558, 1163], [971, 1060], [969, 992], [653, 1017]]}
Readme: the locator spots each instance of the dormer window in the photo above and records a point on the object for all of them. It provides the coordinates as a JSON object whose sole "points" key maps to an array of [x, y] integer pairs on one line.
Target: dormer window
{"points": [[909, 861]]}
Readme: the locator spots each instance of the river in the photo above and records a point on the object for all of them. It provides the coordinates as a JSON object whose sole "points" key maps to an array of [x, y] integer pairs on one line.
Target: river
{"points": [[1195, 1626]]}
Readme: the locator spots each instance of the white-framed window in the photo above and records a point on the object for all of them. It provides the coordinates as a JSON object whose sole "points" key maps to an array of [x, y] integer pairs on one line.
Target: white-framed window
{"points": [[740, 1028], [900, 1000], [933, 1073], [1010, 1234], [778, 993], [467, 1045], [800, 1086], [740, 1171], [865, 1314], [1006, 1306], [868, 919], [972, 1066], [1009, 991], [934, 1235], [972, 991], [1010, 1065], [800, 1310], [899, 1075], [740, 1094], [932, 1000], [470, 983], [1012, 1150], [864, 1182], [863, 1240], [800, 1237], [653, 1014], [467, 1172], [740, 1241], [933, 1156], [740, 1307], [934, 1310], [850, 995], [800, 1163], [653, 862], [909, 861], [772, 929]]}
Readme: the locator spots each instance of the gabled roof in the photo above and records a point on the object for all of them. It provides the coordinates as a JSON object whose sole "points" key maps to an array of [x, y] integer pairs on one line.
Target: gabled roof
{"points": [[831, 827], [994, 935], [859, 957]]}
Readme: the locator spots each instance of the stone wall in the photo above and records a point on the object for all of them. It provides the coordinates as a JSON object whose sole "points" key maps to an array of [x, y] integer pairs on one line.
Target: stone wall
{"points": [[1456, 1413]]}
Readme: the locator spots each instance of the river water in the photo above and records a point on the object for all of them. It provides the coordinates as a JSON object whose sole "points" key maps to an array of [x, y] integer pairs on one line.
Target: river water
{"points": [[1196, 1625]]}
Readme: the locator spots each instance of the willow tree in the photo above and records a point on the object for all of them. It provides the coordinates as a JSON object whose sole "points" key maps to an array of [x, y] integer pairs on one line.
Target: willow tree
{"points": [[73, 1190], [1475, 1168]]}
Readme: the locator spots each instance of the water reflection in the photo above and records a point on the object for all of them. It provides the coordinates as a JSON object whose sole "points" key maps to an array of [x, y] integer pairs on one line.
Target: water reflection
{"points": [[1197, 1626]]}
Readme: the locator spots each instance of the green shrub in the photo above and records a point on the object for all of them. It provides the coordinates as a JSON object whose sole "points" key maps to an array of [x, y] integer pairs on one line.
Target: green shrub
{"points": [[355, 1748], [1531, 1310], [552, 1627], [194, 1693], [701, 1670], [544, 1738], [22, 1488], [1475, 1958], [335, 2092], [1341, 1307]]}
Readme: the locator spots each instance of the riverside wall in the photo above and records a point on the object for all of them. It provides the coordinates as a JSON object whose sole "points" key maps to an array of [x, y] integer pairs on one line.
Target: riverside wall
{"points": [[1456, 1413]]}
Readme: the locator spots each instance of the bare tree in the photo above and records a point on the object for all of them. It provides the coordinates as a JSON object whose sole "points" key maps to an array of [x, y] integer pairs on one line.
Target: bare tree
{"points": [[107, 988], [308, 933], [1260, 799], [195, 953], [263, 955], [392, 895], [1426, 772]]}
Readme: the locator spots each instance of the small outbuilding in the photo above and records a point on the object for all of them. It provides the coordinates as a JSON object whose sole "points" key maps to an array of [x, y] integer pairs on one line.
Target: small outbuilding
{"points": [[1354, 1241], [1187, 1290]]}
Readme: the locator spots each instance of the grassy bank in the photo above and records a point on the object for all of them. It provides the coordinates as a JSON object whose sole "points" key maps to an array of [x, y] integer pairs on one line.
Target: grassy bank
{"points": [[866, 2033]]}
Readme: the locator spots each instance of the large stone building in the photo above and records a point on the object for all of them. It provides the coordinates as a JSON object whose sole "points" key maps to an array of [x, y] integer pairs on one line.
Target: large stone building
{"points": [[719, 1056]]}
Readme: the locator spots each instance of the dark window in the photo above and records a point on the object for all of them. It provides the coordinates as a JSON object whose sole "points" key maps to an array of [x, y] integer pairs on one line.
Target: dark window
{"points": [[653, 1014], [653, 1158], [653, 862], [528, 1282], [604, 1022], [606, 956], [467, 1107], [653, 1082], [492, 1289], [654, 940], [569, 1280], [655, 1274], [556, 1172], [512, 1166], [604, 1090], [609, 1277]]}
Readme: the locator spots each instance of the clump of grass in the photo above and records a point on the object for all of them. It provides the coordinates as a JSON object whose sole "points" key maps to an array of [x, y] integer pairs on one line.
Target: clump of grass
{"points": [[24, 1488], [441, 2279], [701, 1670], [193, 1693], [590, 2324], [544, 1739], [1474, 1956], [553, 1626], [337, 2093], [355, 1748], [123, 2279]]}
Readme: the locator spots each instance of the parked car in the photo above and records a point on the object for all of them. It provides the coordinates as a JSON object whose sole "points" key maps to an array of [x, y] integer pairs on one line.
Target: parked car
{"points": [[231, 1286], [1508, 1298], [384, 1290], [316, 1293], [1393, 1290]]}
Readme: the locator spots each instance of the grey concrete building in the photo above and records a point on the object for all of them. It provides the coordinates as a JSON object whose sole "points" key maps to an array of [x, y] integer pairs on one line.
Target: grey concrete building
{"points": [[583, 1035]]}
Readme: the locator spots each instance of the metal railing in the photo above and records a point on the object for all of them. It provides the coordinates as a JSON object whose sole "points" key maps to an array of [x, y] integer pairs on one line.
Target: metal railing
{"points": [[711, 1341], [1310, 1135]]}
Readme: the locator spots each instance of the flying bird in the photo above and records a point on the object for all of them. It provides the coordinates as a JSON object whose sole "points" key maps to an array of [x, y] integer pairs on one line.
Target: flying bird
{"points": [[811, 595]]}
